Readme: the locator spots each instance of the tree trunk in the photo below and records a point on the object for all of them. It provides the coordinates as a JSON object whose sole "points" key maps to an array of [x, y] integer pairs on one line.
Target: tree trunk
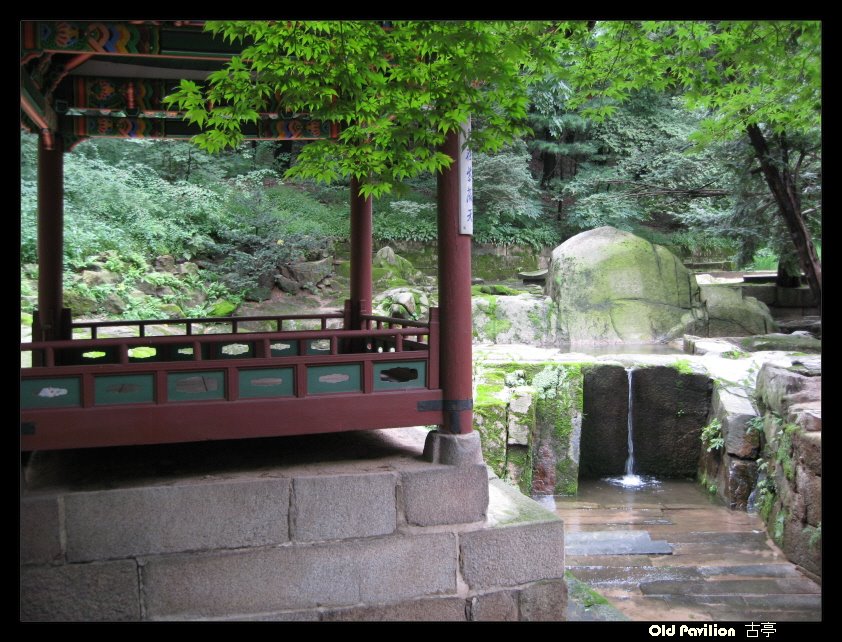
{"points": [[782, 185], [789, 270]]}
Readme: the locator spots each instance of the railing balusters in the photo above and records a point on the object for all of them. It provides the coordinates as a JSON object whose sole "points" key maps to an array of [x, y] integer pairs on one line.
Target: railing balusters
{"points": [[87, 390], [232, 383], [161, 387]]}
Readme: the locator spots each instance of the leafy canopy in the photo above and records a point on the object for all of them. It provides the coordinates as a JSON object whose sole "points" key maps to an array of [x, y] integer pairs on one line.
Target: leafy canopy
{"points": [[395, 91], [743, 72]]}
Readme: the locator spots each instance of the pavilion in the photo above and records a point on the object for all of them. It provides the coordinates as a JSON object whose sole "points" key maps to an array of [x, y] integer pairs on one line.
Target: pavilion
{"points": [[84, 80]]}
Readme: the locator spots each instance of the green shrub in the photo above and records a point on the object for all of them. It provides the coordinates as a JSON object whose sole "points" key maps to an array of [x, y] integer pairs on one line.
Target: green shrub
{"points": [[712, 438]]}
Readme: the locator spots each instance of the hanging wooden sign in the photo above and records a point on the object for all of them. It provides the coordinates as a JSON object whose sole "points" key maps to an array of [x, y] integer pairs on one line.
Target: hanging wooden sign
{"points": [[466, 183]]}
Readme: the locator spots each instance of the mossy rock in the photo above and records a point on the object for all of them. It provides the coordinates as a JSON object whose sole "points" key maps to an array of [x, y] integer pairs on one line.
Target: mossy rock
{"points": [[390, 266], [524, 318], [499, 290], [80, 304], [730, 314], [223, 308], [344, 269], [172, 310], [787, 342], [490, 423], [396, 301], [610, 285]]}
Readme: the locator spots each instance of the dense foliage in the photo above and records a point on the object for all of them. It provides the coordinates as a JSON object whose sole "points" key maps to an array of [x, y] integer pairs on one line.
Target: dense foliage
{"points": [[396, 92], [703, 136], [755, 80]]}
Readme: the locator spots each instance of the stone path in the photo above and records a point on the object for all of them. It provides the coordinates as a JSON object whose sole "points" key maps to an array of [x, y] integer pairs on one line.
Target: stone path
{"points": [[722, 566]]}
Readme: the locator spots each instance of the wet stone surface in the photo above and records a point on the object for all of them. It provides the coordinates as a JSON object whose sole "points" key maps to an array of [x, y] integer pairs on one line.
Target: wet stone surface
{"points": [[722, 565]]}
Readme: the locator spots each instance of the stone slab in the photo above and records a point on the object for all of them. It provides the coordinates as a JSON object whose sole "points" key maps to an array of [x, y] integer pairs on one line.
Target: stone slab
{"points": [[343, 506], [40, 540], [512, 555], [147, 520], [740, 587], [300, 576], [618, 576], [447, 495], [734, 409], [808, 450], [614, 543], [500, 606], [438, 609], [103, 591], [544, 602], [751, 570]]}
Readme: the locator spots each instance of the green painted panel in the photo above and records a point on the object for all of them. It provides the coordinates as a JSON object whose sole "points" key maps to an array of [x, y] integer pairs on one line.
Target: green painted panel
{"points": [[58, 392], [400, 375], [195, 386], [124, 389], [338, 378], [266, 382], [291, 349], [317, 346]]}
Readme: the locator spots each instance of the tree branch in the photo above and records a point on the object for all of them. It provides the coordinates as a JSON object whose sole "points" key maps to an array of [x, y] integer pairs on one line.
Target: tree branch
{"points": [[657, 190]]}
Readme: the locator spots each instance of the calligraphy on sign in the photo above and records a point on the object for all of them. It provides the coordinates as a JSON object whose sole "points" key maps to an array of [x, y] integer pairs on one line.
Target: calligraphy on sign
{"points": [[466, 183]]}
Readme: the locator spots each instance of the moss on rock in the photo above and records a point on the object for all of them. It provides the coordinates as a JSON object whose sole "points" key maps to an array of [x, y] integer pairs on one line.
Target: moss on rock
{"points": [[610, 285]]}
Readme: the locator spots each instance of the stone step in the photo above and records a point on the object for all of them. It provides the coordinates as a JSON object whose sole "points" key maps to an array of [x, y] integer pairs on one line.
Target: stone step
{"points": [[614, 543], [383, 534], [751, 570], [293, 501], [617, 576], [730, 587]]}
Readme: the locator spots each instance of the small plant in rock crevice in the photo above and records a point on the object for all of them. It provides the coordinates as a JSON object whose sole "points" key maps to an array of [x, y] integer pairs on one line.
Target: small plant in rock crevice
{"points": [[712, 438]]}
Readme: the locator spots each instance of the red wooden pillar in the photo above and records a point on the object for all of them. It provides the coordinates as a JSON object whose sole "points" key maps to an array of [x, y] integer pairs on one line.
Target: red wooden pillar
{"points": [[361, 251], [454, 258], [50, 240]]}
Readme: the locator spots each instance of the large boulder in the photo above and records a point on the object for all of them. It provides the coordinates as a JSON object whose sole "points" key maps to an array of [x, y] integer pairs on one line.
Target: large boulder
{"points": [[611, 286], [730, 314]]}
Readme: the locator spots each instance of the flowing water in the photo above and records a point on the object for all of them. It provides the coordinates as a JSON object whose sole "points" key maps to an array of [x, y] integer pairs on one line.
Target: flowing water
{"points": [[630, 479]]}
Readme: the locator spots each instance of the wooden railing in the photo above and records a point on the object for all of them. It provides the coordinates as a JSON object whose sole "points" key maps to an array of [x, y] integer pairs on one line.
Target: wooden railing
{"points": [[82, 390], [236, 323]]}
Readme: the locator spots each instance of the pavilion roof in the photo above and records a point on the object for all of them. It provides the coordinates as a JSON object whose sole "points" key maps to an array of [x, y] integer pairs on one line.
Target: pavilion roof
{"points": [[86, 79]]}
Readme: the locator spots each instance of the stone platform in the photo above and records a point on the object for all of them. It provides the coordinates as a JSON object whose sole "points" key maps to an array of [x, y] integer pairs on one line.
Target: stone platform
{"points": [[351, 526]]}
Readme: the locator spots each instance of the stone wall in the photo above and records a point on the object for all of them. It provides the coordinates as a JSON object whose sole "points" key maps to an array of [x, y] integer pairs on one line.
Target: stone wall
{"points": [[373, 537], [545, 425], [529, 417], [731, 469], [789, 496]]}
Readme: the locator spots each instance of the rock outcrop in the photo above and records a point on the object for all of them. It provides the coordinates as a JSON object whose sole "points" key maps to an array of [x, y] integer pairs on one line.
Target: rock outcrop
{"points": [[789, 489], [610, 286], [730, 314]]}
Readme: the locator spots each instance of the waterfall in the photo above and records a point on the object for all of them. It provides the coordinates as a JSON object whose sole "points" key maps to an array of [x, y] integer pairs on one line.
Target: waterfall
{"points": [[630, 479]]}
